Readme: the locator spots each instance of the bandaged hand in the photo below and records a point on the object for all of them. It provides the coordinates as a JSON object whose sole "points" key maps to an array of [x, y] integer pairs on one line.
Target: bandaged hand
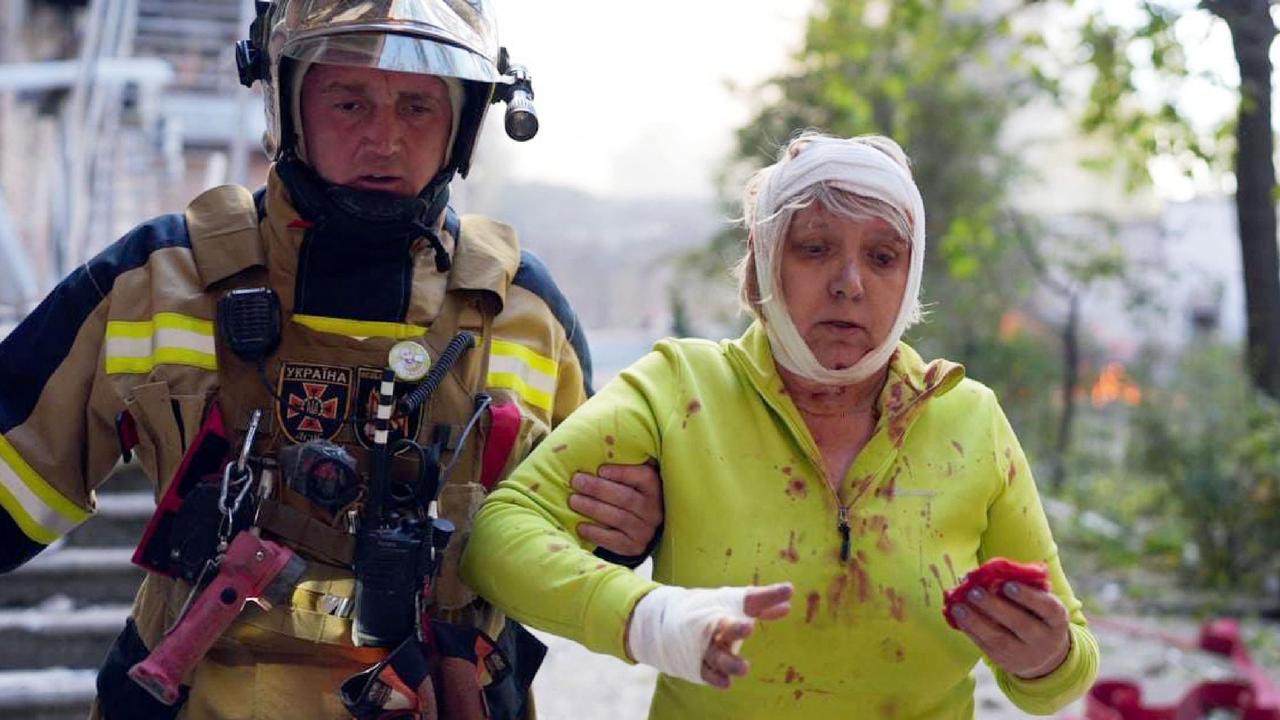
{"points": [[695, 634]]}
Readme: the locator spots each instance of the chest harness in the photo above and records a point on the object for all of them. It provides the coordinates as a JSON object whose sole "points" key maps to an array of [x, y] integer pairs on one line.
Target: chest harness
{"points": [[325, 466]]}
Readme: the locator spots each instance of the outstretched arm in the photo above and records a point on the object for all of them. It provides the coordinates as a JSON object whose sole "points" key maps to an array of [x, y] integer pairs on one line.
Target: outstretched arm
{"points": [[696, 633], [524, 554]]}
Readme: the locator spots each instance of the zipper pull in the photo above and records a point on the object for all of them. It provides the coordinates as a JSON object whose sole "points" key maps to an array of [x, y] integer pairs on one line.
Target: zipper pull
{"points": [[843, 527]]}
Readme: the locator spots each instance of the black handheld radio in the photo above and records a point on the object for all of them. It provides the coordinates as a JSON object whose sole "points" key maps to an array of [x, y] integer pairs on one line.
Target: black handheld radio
{"points": [[396, 551]]}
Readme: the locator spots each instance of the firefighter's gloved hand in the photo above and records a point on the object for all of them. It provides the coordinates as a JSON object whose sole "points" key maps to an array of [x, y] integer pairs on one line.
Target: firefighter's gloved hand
{"points": [[695, 634]]}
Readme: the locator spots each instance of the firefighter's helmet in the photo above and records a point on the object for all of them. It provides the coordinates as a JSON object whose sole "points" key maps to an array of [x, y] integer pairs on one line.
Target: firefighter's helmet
{"points": [[447, 38]]}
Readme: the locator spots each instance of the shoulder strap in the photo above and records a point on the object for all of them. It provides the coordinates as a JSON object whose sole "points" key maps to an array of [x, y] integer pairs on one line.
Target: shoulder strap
{"points": [[534, 277], [223, 227], [486, 255]]}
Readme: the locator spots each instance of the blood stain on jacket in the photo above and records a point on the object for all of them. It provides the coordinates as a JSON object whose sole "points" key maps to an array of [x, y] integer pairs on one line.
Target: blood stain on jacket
{"points": [[797, 487], [835, 593], [897, 604], [892, 651], [879, 524], [888, 489], [693, 408], [858, 572], [951, 568], [931, 375], [789, 553]]}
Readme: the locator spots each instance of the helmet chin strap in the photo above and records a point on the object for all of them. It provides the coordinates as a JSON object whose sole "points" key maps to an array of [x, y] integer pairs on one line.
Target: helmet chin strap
{"points": [[368, 214]]}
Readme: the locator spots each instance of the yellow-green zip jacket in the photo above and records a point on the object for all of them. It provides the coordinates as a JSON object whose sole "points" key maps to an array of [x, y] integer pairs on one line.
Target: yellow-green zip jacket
{"points": [[941, 486]]}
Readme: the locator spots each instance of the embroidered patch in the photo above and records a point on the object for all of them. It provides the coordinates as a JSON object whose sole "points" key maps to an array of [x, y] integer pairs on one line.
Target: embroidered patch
{"points": [[314, 400], [368, 380]]}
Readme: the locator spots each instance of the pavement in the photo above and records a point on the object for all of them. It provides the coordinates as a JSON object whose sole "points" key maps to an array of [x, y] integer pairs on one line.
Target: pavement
{"points": [[576, 683]]}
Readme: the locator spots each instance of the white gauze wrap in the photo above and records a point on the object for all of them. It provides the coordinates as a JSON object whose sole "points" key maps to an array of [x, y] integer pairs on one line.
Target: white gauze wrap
{"points": [[851, 166], [671, 627]]}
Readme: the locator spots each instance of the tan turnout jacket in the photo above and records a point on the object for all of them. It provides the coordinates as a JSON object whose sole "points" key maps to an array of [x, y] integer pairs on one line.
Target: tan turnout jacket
{"points": [[133, 330]]}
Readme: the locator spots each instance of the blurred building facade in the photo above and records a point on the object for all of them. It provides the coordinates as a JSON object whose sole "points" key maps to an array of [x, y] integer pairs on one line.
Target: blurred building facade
{"points": [[112, 111]]}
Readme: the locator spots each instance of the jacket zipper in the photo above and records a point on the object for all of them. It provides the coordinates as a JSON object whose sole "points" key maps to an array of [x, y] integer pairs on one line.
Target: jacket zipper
{"points": [[843, 510], [842, 524]]}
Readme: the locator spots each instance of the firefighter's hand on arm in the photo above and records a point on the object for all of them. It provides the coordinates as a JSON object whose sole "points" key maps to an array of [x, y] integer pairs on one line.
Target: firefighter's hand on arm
{"points": [[624, 503], [1022, 629], [696, 634]]}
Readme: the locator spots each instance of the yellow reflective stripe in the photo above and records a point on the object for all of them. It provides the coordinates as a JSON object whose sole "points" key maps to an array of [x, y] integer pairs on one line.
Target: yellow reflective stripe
{"points": [[541, 363], [531, 375], [174, 321], [43, 513], [512, 381], [505, 364], [133, 330], [136, 347], [162, 356], [360, 329], [165, 320]]}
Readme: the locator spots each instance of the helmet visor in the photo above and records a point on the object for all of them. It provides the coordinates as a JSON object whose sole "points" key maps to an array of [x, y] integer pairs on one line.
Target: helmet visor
{"points": [[398, 53]]}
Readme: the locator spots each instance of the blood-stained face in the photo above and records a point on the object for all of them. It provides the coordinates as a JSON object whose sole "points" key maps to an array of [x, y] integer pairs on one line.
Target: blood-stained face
{"points": [[843, 281]]}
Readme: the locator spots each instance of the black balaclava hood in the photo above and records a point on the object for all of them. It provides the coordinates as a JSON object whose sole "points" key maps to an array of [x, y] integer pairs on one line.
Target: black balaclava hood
{"points": [[356, 260]]}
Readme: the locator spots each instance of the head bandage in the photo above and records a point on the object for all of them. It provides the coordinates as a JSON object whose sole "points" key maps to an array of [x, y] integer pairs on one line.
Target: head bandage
{"points": [[857, 166]]}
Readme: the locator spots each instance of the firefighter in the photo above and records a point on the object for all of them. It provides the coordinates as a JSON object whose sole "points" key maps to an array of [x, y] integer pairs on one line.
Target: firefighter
{"points": [[242, 345]]}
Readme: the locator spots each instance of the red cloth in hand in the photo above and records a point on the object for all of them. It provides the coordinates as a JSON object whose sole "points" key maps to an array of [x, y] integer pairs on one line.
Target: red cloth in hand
{"points": [[991, 576]]}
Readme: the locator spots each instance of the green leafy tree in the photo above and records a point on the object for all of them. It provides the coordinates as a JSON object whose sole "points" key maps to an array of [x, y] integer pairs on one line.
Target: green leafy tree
{"points": [[1069, 265], [1214, 443], [941, 77], [1146, 120]]}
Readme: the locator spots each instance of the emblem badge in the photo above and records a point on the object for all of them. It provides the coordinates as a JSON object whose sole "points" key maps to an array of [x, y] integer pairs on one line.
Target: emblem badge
{"points": [[368, 382], [314, 400], [409, 360]]}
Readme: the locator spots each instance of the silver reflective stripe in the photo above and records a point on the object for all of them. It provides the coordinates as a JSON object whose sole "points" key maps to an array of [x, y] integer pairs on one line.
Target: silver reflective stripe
{"points": [[33, 514]]}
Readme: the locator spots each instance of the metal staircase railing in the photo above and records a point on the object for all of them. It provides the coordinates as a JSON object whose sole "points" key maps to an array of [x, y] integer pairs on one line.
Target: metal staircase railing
{"points": [[197, 37]]}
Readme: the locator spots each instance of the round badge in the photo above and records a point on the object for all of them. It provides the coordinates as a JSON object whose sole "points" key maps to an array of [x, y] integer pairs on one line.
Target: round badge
{"points": [[409, 360]]}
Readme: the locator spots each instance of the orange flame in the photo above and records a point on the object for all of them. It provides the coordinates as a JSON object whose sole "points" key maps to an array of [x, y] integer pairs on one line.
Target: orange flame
{"points": [[1012, 323], [1114, 385]]}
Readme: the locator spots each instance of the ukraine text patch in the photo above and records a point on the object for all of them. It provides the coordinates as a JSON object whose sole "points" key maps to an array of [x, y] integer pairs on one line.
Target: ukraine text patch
{"points": [[314, 400]]}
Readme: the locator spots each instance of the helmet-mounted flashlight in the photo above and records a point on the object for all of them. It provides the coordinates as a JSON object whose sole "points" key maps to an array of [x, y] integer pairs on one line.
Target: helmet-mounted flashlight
{"points": [[522, 118], [250, 59]]}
